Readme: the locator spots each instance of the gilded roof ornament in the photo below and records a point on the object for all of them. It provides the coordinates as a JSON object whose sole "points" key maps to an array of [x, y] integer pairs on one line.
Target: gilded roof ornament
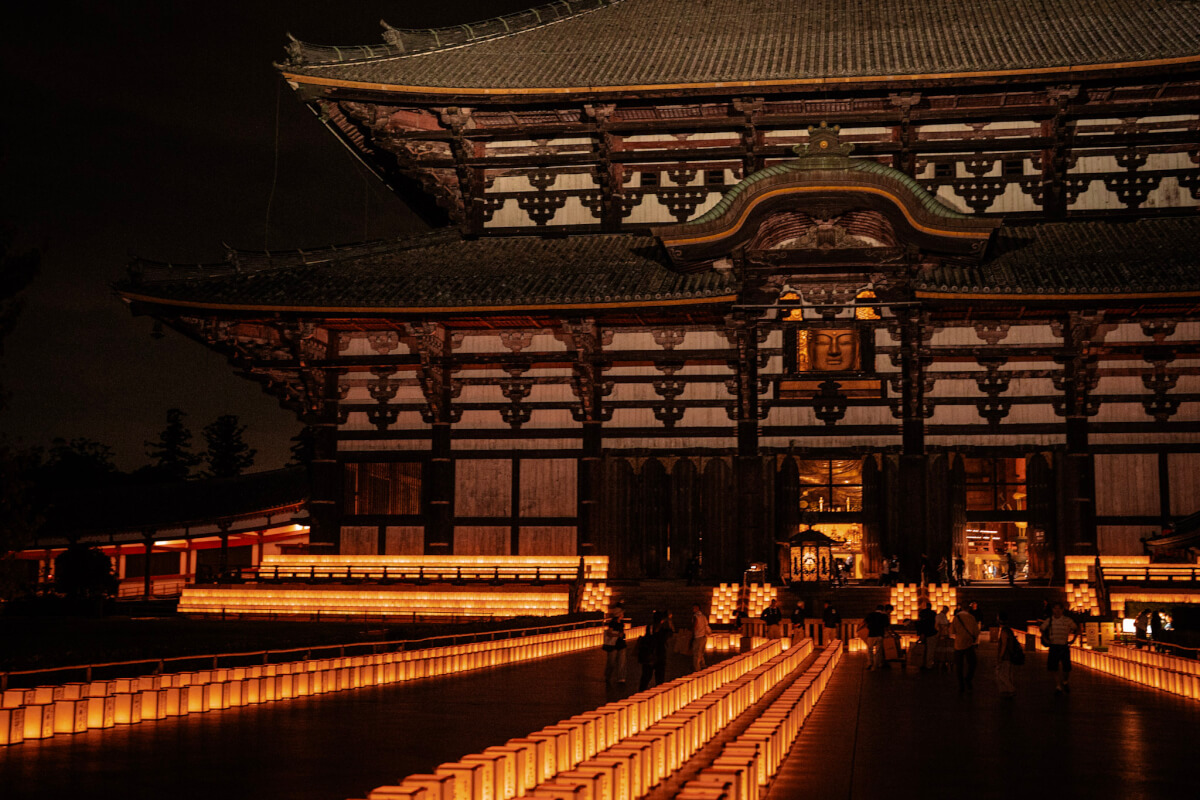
{"points": [[823, 150]]}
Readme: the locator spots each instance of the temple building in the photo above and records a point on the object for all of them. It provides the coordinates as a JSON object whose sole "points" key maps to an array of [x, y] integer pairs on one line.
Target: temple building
{"points": [[922, 276]]}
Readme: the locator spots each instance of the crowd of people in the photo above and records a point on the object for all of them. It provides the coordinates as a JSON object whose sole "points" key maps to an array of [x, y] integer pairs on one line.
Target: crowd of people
{"points": [[951, 642], [945, 641]]}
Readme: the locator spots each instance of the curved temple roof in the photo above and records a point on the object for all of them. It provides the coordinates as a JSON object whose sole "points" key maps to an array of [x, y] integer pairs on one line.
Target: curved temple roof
{"points": [[593, 45], [443, 272]]}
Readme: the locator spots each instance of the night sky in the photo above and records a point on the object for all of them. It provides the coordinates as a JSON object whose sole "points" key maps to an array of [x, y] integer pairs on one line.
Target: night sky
{"points": [[149, 128]]}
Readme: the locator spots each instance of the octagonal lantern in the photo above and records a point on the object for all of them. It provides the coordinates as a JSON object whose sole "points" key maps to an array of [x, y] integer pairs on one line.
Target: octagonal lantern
{"points": [[811, 558]]}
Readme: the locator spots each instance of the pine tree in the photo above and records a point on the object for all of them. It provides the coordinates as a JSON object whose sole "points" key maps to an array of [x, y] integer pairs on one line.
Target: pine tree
{"points": [[228, 454], [171, 456], [80, 463], [304, 447]]}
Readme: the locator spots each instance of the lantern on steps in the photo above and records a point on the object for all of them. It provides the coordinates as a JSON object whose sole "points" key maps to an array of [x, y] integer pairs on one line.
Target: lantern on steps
{"points": [[811, 558]]}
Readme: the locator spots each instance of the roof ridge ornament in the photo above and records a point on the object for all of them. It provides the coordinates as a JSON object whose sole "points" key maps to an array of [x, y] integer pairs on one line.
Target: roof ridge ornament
{"points": [[823, 150]]}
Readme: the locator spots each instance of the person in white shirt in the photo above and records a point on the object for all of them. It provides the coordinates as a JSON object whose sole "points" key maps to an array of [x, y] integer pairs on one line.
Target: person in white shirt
{"points": [[700, 634], [1060, 632]]}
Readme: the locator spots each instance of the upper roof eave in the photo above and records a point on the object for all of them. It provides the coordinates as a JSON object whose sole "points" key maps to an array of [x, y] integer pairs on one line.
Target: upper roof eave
{"points": [[590, 47]]}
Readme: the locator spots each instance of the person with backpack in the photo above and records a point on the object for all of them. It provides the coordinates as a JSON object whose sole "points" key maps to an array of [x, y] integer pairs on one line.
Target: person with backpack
{"points": [[966, 638], [1009, 654]]}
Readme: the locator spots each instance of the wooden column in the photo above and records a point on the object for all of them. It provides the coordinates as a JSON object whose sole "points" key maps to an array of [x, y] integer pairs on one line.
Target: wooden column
{"points": [[148, 542], [431, 342], [1076, 472], [325, 502], [586, 343], [753, 545], [908, 541]]}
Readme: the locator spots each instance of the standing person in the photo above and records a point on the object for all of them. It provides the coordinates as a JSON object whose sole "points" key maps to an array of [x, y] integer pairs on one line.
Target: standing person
{"points": [[927, 630], [647, 650], [943, 571], [877, 624], [1140, 624], [926, 570], [960, 570], [1060, 632], [1012, 568], [614, 646], [799, 617], [944, 649], [1156, 630], [966, 638], [885, 572], [832, 621], [773, 616], [666, 630], [894, 573], [1006, 657], [700, 634]]}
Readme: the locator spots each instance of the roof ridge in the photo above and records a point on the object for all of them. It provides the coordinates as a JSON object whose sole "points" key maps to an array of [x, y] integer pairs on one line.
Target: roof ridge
{"points": [[400, 42]]}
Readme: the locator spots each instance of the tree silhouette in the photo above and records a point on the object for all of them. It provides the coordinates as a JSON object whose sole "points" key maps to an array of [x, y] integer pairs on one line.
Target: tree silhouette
{"points": [[80, 463], [228, 454], [84, 572], [304, 447], [19, 512], [171, 455]]}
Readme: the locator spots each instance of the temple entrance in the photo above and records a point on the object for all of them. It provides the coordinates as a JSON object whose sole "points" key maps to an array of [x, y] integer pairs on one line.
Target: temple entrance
{"points": [[997, 518], [825, 495]]}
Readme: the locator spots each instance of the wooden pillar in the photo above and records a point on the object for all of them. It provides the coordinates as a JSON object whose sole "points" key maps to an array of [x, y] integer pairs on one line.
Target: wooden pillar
{"points": [[439, 530], [431, 342], [588, 490], [753, 544], [148, 543], [908, 541], [586, 343], [224, 564], [1076, 472]]}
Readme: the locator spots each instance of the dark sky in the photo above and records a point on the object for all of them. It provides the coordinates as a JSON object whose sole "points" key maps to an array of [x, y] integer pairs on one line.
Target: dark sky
{"points": [[149, 127]]}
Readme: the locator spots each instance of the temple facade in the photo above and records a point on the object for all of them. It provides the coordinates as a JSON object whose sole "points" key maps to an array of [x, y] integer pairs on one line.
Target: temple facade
{"points": [[703, 275]]}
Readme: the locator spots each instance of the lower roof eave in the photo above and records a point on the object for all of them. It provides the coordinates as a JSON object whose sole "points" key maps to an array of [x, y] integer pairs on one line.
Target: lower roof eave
{"points": [[1053, 297], [649, 303]]}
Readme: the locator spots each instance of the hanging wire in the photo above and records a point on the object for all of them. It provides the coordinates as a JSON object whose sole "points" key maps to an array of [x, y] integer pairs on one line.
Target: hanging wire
{"points": [[274, 170]]}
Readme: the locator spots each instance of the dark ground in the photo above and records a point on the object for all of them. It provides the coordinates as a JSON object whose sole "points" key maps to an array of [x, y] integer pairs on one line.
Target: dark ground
{"points": [[896, 734], [41, 642]]}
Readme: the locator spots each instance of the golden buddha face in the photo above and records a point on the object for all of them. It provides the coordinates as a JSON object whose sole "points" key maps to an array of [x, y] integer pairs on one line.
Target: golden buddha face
{"points": [[834, 350]]}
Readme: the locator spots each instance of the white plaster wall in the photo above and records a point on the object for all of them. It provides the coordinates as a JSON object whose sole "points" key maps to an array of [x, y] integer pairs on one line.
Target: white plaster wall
{"points": [[468, 445], [383, 445]]}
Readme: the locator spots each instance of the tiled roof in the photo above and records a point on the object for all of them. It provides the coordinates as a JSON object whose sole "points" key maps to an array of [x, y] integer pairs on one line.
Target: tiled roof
{"points": [[444, 272], [1062, 259], [612, 43], [436, 271]]}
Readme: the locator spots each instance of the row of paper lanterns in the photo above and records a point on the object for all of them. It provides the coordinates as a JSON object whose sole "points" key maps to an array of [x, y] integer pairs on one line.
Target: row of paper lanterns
{"points": [[619, 751], [746, 765], [46, 711]]}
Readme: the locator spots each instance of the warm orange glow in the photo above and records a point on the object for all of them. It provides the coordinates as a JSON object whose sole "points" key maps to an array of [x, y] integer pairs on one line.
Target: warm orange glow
{"points": [[624, 749], [75, 707], [905, 597], [312, 602], [516, 567]]}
